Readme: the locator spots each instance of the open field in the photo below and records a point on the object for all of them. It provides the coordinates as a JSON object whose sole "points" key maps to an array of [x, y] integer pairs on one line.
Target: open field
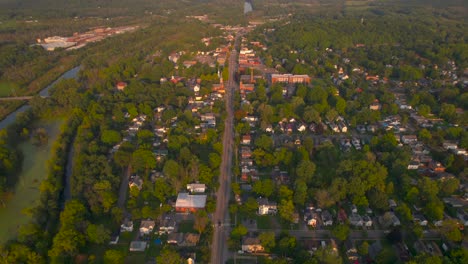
{"points": [[34, 171], [6, 89]]}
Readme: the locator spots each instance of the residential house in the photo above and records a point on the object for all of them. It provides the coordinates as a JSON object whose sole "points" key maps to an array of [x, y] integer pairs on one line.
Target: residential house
{"points": [[135, 181], [126, 226], [146, 227], [167, 225], [266, 207], [420, 219], [327, 219], [367, 221], [356, 220], [289, 78], [251, 245], [312, 219], [190, 203], [392, 203], [342, 216], [196, 187], [246, 139], [409, 139], [375, 105], [246, 153], [462, 215], [121, 86], [353, 209], [175, 238], [351, 250], [138, 246], [190, 240], [389, 219]]}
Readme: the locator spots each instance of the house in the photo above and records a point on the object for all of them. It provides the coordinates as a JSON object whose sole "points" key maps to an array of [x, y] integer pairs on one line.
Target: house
{"points": [[312, 219], [367, 221], [392, 203], [353, 209], [189, 203], [266, 207], [419, 218], [175, 238], [414, 164], [289, 78], [146, 227], [342, 216], [351, 250], [196, 187], [342, 126], [462, 216], [375, 105], [121, 86], [246, 153], [449, 145], [389, 219], [355, 220], [126, 226], [246, 140], [167, 225], [138, 246], [409, 139], [436, 167], [135, 181], [327, 219], [190, 240], [251, 245]]}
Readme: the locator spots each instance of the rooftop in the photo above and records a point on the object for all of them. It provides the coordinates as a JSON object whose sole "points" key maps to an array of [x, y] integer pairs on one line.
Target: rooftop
{"points": [[185, 200]]}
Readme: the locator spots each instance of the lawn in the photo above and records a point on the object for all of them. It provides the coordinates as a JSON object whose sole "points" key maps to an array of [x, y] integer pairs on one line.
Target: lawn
{"points": [[7, 89], [186, 227], [26, 193], [264, 222]]}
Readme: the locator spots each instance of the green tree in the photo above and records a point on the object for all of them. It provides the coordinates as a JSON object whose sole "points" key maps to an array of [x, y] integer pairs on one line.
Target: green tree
{"points": [[451, 231], [363, 248], [268, 240], [110, 137], [201, 220], [97, 234], [169, 256], [113, 256], [238, 232], [264, 187], [328, 255], [305, 170], [341, 232], [286, 210]]}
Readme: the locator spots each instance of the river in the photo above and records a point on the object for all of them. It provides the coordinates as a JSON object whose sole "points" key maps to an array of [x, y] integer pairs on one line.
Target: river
{"points": [[73, 73]]}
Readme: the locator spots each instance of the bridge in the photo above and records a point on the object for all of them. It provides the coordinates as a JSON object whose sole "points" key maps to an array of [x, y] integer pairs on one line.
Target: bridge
{"points": [[18, 98]]}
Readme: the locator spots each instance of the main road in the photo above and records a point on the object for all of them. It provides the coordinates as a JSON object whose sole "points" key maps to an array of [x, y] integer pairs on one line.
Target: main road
{"points": [[220, 218]]}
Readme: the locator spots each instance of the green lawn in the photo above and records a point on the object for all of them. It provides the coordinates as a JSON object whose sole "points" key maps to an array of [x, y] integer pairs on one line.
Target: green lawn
{"points": [[263, 222], [186, 227], [7, 88], [26, 193]]}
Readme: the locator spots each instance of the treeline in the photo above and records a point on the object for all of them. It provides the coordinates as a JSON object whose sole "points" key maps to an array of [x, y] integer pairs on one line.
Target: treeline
{"points": [[34, 239]]}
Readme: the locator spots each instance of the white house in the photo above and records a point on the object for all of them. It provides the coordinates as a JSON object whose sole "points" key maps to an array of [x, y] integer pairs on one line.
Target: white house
{"points": [[146, 227], [367, 221], [265, 207], [126, 226], [196, 187], [355, 220], [327, 218]]}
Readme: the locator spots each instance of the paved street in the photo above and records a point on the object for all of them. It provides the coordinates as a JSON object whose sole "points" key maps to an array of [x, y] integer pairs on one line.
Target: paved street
{"points": [[221, 216]]}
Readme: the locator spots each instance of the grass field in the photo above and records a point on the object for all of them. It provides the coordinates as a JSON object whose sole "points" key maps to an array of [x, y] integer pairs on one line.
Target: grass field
{"points": [[26, 193], [7, 88]]}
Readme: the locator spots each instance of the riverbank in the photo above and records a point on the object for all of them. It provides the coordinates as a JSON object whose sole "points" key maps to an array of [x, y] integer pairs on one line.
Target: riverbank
{"points": [[26, 193], [21, 107]]}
